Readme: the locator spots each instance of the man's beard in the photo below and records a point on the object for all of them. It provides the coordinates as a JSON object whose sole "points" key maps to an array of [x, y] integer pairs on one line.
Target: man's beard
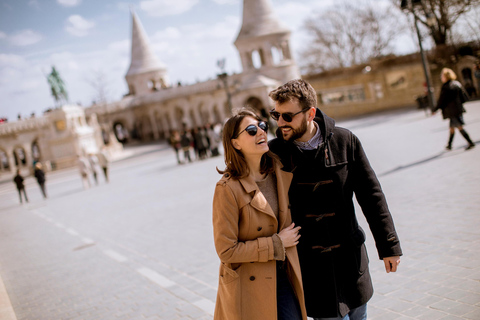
{"points": [[296, 133]]}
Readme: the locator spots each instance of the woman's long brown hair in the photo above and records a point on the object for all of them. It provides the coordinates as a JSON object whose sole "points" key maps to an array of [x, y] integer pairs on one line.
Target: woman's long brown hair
{"points": [[236, 165]]}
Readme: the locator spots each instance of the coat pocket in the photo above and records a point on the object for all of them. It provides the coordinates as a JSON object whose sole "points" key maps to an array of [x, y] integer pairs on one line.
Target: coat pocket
{"points": [[228, 275]]}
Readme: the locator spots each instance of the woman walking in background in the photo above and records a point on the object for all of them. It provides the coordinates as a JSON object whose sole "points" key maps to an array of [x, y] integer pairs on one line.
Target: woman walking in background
{"points": [[40, 176], [452, 98], [253, 231]]}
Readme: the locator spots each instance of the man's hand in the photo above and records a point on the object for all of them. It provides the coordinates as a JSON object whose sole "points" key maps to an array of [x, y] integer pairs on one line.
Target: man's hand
{"points": [[391, 263]]}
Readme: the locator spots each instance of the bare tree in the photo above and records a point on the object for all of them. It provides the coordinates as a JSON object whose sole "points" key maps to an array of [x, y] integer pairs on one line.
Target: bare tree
{"points": [[468, 27], [439, 16], [350, 34], [98, 81]]}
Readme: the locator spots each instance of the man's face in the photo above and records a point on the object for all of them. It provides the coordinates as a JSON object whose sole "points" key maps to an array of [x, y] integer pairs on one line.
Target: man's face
{"points": [[298, 126]]}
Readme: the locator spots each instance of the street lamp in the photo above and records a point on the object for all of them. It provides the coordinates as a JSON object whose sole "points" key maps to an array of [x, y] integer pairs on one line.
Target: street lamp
{"points": [[408, 5], [223, 77]]}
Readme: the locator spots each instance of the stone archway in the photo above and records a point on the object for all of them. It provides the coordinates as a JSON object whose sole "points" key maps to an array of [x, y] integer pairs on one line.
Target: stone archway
{"points": [[180, 118], [20, 156], [4, 164], [36, 154], [256, 105], [120, 131]]}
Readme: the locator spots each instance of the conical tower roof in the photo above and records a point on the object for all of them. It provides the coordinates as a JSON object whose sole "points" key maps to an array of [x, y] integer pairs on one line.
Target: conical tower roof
{"points": [[259, 19], [143, 60]]}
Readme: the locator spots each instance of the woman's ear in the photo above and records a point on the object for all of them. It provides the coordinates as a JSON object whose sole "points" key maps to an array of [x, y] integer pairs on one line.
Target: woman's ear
{"points": [[235, 144]]}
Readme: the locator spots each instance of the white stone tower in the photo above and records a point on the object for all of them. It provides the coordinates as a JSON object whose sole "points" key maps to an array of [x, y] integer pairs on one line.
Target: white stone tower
{"points": [[264, 43], [146, 72]]}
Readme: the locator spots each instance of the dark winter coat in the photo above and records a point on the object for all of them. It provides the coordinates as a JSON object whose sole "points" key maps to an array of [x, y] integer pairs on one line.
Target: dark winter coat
{"points": [[451, 100], [40, 175], [332, 252], [18, 179]]}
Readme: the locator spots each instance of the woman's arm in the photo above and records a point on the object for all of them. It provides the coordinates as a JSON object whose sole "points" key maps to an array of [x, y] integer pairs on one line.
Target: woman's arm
{"points": [[226, 216]]}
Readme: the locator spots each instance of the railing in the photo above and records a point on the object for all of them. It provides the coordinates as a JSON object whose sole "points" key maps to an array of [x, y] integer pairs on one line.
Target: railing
{"points": [[23, 125]]}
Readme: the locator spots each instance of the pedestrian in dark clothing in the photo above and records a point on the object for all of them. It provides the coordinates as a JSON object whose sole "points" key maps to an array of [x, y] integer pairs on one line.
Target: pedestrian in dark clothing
{"points": [[18, 179], [452, 98], [40, 176], [186, 143], [201, 142], [175, 142], [329, 165]]}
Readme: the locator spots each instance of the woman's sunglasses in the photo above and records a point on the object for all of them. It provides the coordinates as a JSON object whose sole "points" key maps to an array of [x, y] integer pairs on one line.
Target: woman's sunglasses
{"points": [[252, 129], [287, 116]]}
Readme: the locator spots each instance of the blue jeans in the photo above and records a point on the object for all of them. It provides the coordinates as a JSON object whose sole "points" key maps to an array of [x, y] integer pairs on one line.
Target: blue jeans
{"points": [[359, 313], [287, 303]]}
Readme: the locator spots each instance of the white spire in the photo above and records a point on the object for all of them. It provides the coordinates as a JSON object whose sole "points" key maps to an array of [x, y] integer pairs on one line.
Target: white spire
{"points": [[143, 60], [259, 19]]}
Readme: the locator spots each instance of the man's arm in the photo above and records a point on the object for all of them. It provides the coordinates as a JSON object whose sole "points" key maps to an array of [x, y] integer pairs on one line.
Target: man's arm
{"points": [[374, 206]]}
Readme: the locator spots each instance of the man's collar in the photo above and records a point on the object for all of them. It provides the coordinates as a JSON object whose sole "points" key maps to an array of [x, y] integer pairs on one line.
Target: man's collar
{"points": [[313, 143]]}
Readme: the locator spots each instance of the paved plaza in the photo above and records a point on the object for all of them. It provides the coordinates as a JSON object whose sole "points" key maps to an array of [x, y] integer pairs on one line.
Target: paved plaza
{"points": [[141, 246]]}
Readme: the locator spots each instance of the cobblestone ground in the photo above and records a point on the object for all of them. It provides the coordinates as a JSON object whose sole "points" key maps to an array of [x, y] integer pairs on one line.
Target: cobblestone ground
{"points": [[141, 247]]}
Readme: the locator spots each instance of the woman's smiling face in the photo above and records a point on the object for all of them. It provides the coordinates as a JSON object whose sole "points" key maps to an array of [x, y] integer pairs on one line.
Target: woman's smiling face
{"points": [[251, 145]]}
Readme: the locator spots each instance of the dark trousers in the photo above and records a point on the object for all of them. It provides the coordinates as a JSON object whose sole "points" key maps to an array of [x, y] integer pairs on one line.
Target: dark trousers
{"points": [[287, 303], [105, 172], [42, 187], [24, 193]]}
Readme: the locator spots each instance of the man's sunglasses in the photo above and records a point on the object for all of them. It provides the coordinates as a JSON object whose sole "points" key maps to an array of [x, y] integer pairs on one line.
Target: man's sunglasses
{"points": [[252, 129], [287, 116]]}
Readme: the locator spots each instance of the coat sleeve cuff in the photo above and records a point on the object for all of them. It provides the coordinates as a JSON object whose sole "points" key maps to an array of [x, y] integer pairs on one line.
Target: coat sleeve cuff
{"points": [[265, 249]]}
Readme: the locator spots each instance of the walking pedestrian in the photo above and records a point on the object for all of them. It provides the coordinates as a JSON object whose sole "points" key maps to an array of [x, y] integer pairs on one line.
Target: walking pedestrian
{"points": [[201, 142], [213, 139], [40, 176], [92, 158], [175, 142], [329, 165], [452, 98], [18, 179], [186, 143], [103, 161], [254, 236], [84, 168]]}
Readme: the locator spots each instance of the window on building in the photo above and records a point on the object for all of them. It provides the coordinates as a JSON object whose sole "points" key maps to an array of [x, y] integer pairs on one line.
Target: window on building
{"points": [[342, 95], [256, 59], [277, 55]]}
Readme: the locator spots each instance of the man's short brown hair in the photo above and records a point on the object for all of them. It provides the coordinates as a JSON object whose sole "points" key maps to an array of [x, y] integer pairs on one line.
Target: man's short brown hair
{"points": [[295, 89]]}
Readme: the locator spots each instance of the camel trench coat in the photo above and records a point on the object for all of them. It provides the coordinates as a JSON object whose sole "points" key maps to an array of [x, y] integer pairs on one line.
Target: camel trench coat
{"points": [[243, 225]]}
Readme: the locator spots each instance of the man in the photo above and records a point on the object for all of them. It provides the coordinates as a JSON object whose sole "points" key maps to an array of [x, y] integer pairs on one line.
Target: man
{"points": [[329, 165], [18, 179]]}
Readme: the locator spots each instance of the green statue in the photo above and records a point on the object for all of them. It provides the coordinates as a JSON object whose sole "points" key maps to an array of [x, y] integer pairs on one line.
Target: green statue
{"points": [[57, 87]]}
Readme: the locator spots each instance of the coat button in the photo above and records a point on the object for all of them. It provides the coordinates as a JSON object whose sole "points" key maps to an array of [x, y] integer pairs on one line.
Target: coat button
{"points": [[252, 278], [259, 228]]}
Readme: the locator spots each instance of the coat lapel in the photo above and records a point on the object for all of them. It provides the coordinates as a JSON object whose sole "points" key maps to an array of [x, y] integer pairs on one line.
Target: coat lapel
{"points": [[283, 184], [258, 201]]}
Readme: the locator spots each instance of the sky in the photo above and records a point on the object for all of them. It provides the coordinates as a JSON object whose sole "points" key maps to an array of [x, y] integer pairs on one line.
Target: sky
{"points": [[88, 39]]}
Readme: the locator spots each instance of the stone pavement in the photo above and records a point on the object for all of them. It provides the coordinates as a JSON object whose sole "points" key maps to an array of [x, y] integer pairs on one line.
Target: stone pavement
{"points": [[141, 247]]}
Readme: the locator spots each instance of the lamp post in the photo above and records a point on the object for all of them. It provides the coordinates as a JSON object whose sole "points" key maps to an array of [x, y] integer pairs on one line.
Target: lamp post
{"points": [[409, 4], [223, 77]]}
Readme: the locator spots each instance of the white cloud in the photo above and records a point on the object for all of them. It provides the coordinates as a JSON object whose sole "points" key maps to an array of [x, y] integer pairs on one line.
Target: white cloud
{"points": [[25, 38], [3, 35], [78, 26], [11, 60], [159, 8], [69, 3]]}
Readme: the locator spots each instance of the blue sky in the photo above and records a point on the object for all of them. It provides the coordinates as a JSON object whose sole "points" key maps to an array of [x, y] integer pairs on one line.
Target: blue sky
{"points": [[85, 38]]}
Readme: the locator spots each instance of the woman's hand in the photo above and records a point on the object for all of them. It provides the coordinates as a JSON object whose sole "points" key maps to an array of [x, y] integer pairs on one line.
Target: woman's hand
{"points": [[290, 236]]}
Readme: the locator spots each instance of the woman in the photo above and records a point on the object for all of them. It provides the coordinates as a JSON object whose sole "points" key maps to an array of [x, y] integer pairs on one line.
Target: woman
{"points": [[452, 97], [253, 230], [40, 176]]}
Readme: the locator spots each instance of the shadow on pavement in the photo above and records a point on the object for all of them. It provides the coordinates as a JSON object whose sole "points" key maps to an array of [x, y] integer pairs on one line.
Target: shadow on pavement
{"points": [[442, 154]]}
